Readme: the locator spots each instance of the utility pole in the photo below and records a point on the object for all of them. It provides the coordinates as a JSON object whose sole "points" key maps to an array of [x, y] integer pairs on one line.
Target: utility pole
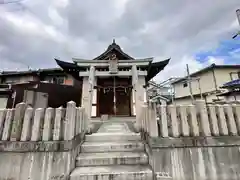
{"points": [[238, 17], [189, 83]]}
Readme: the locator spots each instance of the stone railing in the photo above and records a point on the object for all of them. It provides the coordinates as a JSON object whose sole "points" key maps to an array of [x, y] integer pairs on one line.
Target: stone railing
{"points": [[148, 120], [40, 143], [25, 124], [193, 141], [191, 120]]}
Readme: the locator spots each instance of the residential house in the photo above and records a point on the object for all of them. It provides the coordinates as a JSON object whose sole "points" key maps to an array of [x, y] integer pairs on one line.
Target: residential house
{"points": [[38, 88], [205, 84]]}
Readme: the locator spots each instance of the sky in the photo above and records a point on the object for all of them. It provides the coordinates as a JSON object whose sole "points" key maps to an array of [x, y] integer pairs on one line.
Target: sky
{"points": [[198, 33]]}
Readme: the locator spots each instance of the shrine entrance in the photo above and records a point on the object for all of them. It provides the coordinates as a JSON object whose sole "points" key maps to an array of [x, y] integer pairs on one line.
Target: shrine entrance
{"points": [[114, 96]]}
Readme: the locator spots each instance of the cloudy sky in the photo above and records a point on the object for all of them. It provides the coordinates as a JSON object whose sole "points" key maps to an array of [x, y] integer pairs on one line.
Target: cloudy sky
{"points": [[198, 33]]}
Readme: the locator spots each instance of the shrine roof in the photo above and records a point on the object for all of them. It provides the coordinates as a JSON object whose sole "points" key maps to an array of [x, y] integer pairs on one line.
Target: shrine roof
{"points": [[113, 48], [155, 67]]}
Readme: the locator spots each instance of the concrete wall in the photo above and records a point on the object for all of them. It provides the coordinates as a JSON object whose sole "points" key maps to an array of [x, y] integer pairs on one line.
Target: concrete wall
{"points": [[195, 142], [195, 159], [37, 165], [40, 144]]}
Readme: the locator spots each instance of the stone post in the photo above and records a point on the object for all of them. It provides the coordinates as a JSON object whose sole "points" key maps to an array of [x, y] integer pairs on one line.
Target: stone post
{"points": [[164, 121], [204, 121], [230, 119], [58, 124], [37, 124], [223, 129], [153, 132], [193, 123], [69, 131], [18, 122], [87, 92], [8, 125], [138, 82], [213, 120], [173, 120], [2, 120], [236, 111], [27, 125], [184, 121], [48, 124]]}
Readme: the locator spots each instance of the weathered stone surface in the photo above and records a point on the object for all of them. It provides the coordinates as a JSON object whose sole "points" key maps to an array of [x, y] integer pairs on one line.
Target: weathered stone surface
{"points": [[8, 125], [59, 124], [204, 120], [111, 158], [173, 120], [236, 111], [221, 141], [213, 120], [40, 146], [184, 121], [230, 120], [18, 122], [3, 113], [223, 129], [113, 172], [27, 125], [193, 122], [37, 166], [48, 124], [37, 124], [215, 163], [91, 147], [100, 137], [70, 119], [164, 122]]}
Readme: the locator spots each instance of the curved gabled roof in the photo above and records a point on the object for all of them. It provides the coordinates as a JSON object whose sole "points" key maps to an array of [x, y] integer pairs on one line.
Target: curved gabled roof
{"points": [[113, 48]]}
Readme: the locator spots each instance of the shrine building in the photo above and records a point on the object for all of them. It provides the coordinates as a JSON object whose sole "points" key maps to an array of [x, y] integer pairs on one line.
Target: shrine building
{"points": [[113, 83]]}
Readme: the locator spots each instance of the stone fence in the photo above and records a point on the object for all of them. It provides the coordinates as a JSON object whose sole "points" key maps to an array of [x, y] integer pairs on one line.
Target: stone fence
{"points": [[191, 120], [27, 124], [40, 143]]}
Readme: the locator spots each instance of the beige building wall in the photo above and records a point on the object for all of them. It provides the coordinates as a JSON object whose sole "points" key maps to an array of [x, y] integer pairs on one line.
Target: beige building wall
{"points": [[224, 76], [209, 81], [206, 82]]}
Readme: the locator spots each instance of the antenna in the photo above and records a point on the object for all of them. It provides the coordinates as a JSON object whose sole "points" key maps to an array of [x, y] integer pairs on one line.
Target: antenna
{"points": [[238, 17]]}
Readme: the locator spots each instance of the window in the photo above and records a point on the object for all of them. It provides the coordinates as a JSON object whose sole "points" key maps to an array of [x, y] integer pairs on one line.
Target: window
{"points": [[58, 80], [185, 84]]}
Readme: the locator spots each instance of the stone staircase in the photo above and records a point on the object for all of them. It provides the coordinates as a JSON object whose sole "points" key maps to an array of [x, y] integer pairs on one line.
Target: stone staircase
{"points": [[113, 153]]}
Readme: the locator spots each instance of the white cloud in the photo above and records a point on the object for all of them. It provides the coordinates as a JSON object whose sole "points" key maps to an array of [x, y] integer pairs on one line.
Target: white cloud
{"points": [[42, 30]]}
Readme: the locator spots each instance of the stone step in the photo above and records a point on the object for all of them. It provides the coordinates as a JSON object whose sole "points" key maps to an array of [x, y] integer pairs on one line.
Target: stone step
{"points": [[110, 137], [118, 172], [91, 147], [111, 158]]}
